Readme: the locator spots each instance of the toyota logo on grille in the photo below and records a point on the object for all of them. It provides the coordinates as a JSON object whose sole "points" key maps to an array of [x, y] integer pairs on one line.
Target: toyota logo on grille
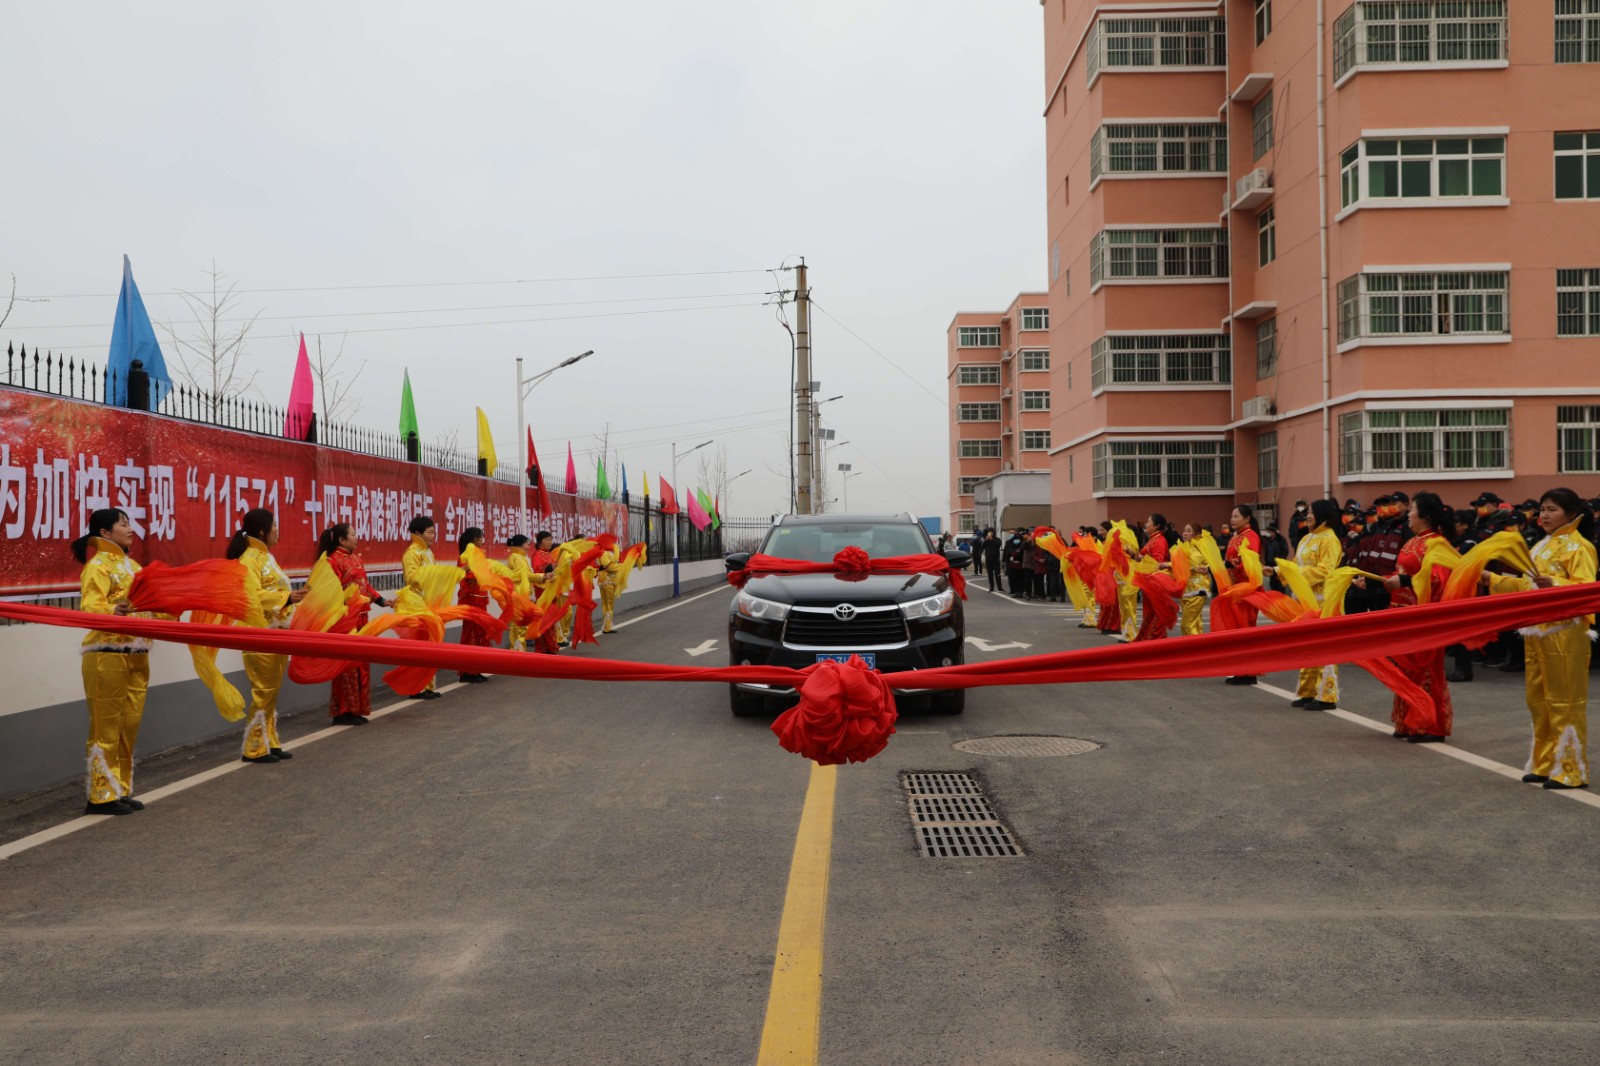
{"points": [[844, 612]]}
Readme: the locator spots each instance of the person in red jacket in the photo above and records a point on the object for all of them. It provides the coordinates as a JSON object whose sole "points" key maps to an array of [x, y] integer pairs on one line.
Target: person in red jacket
{"points": [[470, 594], [1245, 535], [350, 702], [1159, 538], [542, 562]]}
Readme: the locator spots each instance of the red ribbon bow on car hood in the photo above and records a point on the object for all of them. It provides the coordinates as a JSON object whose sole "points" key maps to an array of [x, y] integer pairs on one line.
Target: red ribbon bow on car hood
{"points": [[853, 564]]}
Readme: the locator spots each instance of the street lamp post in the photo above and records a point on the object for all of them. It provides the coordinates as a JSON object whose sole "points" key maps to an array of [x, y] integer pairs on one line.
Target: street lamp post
{"points": [[844, 480], [819, 446], [525, 386], [677, 487]]}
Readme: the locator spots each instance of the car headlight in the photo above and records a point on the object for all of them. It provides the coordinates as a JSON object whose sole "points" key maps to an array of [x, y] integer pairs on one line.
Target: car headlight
{"points": [[932, 607], [758, 609]]}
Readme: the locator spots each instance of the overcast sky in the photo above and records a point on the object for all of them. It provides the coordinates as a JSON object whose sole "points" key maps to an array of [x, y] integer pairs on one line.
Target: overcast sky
{"points": [[896, 144]]}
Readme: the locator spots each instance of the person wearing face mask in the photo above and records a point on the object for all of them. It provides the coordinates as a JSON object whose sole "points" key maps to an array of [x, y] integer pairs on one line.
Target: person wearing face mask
{"points": [[409, 599], [1300, 523], [1558, 653], [350, 697], [116, 667], [252, 545]]}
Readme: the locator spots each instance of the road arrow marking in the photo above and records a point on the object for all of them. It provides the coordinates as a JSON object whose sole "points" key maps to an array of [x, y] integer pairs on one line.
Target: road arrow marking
{"points": [[984, 645], [702, 649]]}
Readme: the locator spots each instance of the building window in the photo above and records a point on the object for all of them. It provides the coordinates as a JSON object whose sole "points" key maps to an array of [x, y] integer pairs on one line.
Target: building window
{"points": [[1267, 235], [968, 484], [1036, 399], [1153, 254], [984, 374], [1425, 442], [1422, 168], [1263, 19], [977, 412], [1124, 43], [1578, 31], [977, 336], [1261, 126], [966, 522], [1578, 303], [1425, 305], [1158, 148], [978, 449], [1267, 347], [1055, 261], [1125, 466], [1036, 440], [1267, 460], [1069, 373], [1035, 318], [1578, 447], [1168, 359], [1036, 359], [1380, 32], [1072, 468], [1578, 166]]}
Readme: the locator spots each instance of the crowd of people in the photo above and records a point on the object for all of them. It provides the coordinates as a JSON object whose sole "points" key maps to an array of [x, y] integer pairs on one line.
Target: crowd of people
{"points": [[116, 670], [1388, 544]]}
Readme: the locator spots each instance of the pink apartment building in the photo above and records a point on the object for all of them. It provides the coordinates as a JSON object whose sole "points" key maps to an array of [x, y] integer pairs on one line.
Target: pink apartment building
{"points": [[1321, 247], [1000, 390]]}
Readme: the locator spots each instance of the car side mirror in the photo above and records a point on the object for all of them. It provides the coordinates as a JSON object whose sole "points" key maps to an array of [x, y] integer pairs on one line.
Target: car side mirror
{"points": [[958, 559], [736, 562]]}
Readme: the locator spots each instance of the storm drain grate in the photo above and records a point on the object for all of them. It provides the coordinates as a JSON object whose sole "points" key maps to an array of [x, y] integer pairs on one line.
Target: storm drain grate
{"points": [[953, 819]]}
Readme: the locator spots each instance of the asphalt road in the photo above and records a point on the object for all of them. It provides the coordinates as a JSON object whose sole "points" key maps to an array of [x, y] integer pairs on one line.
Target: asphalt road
{"points": [[563, 872]]}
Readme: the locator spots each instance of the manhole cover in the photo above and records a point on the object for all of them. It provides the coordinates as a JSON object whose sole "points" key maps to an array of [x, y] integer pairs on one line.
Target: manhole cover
{"points": [[1026, 746]]}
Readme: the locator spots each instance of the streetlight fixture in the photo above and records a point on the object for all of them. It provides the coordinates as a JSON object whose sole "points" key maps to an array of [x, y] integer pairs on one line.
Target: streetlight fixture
{"points": [[844, 468], [728, 491], [677, 487], [819, 445], [525, 386]]}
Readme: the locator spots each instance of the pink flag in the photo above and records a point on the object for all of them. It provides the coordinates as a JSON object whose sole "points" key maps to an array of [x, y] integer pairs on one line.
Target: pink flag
{"points": [[298, 420], [571, 488], [697, 514]]}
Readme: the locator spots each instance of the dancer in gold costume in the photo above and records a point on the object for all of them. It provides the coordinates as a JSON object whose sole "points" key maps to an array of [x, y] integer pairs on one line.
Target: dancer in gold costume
{"points": [[1318, 555], [252, 545], [520, 571], [409, 599], [1197, 587], [1558, 652], [606, 581]]}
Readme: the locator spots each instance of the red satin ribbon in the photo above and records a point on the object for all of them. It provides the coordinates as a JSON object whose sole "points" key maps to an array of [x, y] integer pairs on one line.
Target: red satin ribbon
{"points": [[1313, 642], [853, 564]]}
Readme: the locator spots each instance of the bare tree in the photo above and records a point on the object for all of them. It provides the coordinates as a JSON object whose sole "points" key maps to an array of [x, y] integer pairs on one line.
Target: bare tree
{"points": [[211, 358], [714, 472], [336, 389], [12, 302]]}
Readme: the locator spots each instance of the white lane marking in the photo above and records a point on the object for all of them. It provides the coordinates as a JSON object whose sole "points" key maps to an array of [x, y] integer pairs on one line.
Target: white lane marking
{"points": [[55, 832], [1581, 795], [702, 648], [44, 836], [984, 645]]}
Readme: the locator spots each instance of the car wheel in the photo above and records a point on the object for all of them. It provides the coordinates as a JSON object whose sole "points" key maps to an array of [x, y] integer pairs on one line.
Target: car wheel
{"points": [[950, 701], [744, 704]]}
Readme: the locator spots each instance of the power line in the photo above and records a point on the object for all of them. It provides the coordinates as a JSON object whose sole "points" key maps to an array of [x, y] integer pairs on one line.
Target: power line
{"points": [[425, 284], [438, 310], [941, 400]]}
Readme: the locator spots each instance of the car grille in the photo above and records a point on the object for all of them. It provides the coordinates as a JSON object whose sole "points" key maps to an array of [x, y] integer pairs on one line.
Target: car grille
{"points": [[864, 630]]}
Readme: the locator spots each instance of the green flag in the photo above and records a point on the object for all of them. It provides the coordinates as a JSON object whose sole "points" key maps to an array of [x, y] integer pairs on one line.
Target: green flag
{"points": [[408, 411], [602, 487], [709, 507]]}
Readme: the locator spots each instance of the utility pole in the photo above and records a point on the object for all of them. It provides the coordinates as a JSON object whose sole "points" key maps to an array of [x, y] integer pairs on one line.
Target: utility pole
{"points": [[802, 385]]}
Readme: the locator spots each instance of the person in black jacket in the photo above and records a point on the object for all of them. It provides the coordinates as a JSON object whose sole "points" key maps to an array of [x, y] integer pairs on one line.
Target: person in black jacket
{"points": [[1299, 524], [990, 550], [1016, 581]]}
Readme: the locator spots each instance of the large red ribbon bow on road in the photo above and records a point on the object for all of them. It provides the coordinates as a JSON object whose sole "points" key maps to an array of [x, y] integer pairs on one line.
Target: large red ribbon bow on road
{"points": [[846, 712], [853, 564]]}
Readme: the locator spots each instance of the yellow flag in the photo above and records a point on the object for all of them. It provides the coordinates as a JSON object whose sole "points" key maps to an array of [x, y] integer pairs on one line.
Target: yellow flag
{"points": [[646, 483], [485, 440]]}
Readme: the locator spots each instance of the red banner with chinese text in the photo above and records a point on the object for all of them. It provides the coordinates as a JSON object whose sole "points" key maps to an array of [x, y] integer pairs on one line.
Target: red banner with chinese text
{"points": [[186, 485]]}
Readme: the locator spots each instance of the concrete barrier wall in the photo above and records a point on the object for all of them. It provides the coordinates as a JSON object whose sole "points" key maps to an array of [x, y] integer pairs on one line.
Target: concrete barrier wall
{"points": [[43, 720]]}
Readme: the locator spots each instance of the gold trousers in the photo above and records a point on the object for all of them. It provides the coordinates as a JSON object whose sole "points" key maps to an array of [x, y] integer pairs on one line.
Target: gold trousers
{"points": [[1128, 604], [114, 686], [1319, 683], [1558, 701], [1091, 617], [608, 605], [266, 678], [1193, 614], [519, 637]]}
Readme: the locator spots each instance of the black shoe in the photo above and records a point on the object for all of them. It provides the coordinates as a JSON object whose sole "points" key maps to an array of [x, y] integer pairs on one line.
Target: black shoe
{"points": [[131, 803], [424, 695], [1554, 784], [1456, 677], [360, 719], [1534, 779], [106, 808], [1425, 738], [1320, 705], [1303, 701], [474, 679], [1492, 664], [268, 757], [432, 694], [280, 753], [1512, 668], [1400, 736], [347, 719], [1243, 679]]}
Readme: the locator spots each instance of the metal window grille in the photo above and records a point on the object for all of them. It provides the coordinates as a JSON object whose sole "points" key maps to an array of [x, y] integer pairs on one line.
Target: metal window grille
{"points": [[1578, 31], [977, 412], [1376, 32], [1156, 42], [1425, 305], [978, 375], [977, 336], [1425, 442], [1036, 399], [1035, 440], [1578, 439], [1159, 253], [979, 449], [1267, 460], [1267, 236], [1578, 165], [1267, 347], [1261, 126], [1147, 466], [1167, 359], [968, 484], [1158, 148], [1036, 359], [1578, 303]]}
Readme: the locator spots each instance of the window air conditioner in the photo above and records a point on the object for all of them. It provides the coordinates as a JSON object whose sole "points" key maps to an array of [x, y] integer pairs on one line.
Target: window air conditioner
{"points": [[1258, 407], [1257, 180]]}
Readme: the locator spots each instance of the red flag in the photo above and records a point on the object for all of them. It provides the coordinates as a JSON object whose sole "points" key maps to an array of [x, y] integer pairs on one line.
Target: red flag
{"points": [[541, 502], [669, 499], [571, 488]]}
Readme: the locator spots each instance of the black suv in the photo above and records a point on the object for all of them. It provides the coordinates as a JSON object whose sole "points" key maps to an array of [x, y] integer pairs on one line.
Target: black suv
{"points": [[893, 621]]}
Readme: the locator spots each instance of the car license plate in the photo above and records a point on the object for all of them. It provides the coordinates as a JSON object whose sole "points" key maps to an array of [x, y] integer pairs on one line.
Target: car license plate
{"points": [[870, 658]]}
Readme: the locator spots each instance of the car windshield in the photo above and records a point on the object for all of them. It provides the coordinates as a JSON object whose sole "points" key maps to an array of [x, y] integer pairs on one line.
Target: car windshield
{"points": [[816, 543]]}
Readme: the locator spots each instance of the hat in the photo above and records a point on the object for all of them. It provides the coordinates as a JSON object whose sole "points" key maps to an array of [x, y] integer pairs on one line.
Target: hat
{"points": [[1399, 497], [1528, 505], [1351, 503], [1487, 499], [1383, 501]]}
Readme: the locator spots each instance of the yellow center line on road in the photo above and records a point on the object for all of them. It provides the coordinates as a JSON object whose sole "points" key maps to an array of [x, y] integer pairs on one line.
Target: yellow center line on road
{"points": [[794, 1004]]}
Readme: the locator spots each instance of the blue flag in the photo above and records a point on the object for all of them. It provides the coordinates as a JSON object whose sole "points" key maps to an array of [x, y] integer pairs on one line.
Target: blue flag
{"points": [[624, 482], [132, 337]]}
